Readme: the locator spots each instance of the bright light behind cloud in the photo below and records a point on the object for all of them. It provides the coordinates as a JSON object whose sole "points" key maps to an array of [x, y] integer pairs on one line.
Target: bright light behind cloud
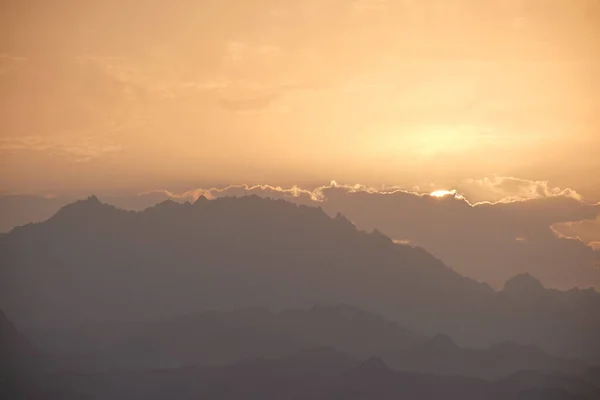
{"points": [[442, 193]]}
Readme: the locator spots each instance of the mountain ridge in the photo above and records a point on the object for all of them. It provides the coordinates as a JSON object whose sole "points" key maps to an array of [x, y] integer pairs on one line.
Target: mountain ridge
{"points": [[235, 252]]}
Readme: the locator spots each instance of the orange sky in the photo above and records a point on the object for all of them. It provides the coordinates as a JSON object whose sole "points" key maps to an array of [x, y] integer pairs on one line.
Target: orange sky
{"points": [[139, 95]]}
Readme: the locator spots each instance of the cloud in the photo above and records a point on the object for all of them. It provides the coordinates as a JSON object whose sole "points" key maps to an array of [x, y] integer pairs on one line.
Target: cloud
{"points": [[277, 192], [588, 231], [507, 189], [78, 148]]}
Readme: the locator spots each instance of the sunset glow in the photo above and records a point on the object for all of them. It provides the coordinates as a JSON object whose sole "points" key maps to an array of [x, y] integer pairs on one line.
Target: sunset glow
{"points": [[442, 193], [376, 92]]}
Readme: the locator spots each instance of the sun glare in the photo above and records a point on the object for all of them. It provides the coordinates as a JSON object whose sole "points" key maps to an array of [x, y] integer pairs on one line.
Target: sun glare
{"points": [[442, 193]]}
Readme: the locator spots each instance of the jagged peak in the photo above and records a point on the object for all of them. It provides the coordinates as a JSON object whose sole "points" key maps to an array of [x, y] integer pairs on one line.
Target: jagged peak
{"points": [[85, 209], [89, 203], [92, 199], [342, 218], [200, 200]]}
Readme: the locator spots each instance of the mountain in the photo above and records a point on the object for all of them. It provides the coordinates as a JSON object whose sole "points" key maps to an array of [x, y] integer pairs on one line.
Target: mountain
{"points": [[172, 343], [524, 285], [225, 337], [320, 373], [17, 210], [25, 372], [221, 337], [441, 356], [561, 322], [549, 385], [314, 372], [93, 262], [343, 327]]}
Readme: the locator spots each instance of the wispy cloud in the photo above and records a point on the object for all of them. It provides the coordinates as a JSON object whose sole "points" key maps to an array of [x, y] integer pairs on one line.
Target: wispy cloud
{"points": [[80, 149], [507, 189]]}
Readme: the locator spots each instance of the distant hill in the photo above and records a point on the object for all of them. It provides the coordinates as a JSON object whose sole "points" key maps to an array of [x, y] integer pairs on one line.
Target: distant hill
{"points": [[93, 262], [225, 337], [311, 373], [219, 338], [441, 356], [201, 340], [322, 373], [343, 327]]}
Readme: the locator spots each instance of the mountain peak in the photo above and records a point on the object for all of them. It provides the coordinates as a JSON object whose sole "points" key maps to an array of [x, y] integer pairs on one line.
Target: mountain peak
{"points": [[85, 209], [90, 202], [441, 342], [200, 200], [523, 283]]}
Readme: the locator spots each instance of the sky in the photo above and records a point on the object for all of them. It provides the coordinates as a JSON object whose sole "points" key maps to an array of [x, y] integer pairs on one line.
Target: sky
{"points": [[137, 95]]}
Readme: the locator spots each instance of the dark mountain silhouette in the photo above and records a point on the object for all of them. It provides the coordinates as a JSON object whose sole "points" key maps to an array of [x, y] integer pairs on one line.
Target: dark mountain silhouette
{"points": [[524, 285], [93, 262], [218, 338], [320, 373], [441, 356], [17, 210]]}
